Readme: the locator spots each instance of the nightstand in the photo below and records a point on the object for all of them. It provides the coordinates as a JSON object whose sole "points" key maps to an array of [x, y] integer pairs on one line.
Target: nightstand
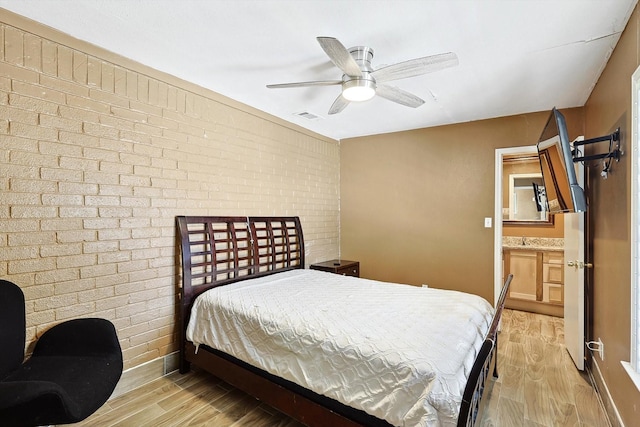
{"points": [[339, 266]]}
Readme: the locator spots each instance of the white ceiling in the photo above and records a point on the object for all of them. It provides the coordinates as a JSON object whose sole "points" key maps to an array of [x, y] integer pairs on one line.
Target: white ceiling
{"points": [[515, 56]]}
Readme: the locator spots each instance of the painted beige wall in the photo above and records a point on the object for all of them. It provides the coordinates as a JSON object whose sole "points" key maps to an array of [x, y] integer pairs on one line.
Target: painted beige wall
{"points": [[413, 203], [608, 107], [98, 155]]}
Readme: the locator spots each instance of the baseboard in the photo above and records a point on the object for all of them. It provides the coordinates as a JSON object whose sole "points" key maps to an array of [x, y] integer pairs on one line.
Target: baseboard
{"points": [[595, 375], [142, 374]]}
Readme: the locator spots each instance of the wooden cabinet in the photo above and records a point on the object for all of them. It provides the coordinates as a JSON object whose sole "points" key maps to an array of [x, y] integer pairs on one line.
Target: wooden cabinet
{"points": [[525, 266], [538, 279], [553, 277], [339, 266]]}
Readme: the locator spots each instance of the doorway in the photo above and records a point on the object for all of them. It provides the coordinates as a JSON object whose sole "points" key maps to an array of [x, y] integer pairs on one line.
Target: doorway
{"points": [[572, 277]]}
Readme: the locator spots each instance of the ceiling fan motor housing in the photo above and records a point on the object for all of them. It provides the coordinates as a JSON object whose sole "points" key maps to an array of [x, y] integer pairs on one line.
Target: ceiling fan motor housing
{"points": [[360, 88]]}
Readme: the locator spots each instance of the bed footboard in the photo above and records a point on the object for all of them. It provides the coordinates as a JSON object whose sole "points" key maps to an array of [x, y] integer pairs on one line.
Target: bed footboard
{"points": [[487, 356]]}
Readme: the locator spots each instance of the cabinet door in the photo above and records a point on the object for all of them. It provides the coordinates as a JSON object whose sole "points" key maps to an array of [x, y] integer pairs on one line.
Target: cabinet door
{"points": [[524, 266]]}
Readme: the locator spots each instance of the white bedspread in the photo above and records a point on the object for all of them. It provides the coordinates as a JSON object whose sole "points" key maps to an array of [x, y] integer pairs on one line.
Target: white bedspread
{"points": [[398, 352]]}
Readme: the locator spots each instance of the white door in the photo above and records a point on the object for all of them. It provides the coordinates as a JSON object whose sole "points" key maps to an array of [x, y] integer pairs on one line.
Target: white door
{"points": [[574, 265]]}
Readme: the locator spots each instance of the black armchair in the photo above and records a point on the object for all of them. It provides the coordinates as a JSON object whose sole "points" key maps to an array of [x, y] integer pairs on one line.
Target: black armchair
{"points": [[73, 370]]}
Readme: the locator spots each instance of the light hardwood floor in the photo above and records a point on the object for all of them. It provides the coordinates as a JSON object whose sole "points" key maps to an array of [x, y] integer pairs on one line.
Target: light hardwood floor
{"points": [[538, 386]]}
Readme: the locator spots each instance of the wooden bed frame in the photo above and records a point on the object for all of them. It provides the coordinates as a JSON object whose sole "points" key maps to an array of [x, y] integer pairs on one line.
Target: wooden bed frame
{"points": [[217, 251]]}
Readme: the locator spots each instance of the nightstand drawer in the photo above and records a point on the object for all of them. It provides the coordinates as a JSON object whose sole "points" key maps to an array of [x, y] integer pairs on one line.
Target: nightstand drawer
{"points": [[339, 266]]}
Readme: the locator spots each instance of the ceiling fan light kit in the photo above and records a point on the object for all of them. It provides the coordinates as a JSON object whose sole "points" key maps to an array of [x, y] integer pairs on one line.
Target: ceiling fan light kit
{"points": [[358, 90], [360, 82]]}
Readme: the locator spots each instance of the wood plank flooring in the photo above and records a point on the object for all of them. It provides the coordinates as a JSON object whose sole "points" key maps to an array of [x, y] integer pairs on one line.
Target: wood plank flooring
{"points": [[538, 386]]}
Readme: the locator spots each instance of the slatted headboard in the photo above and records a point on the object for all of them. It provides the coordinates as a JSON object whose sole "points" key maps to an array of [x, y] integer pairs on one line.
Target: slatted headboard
{"points": [[218, 250]]}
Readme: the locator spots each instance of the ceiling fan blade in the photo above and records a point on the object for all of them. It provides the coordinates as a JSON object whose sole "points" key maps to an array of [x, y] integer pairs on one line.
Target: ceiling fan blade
{"points": [[415, 67], [398, 95], [306, 84], [340, 56], [338, 105]]}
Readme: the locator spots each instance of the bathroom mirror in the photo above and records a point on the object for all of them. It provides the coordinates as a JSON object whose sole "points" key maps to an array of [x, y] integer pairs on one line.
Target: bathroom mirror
{"points": [[523, 192]]}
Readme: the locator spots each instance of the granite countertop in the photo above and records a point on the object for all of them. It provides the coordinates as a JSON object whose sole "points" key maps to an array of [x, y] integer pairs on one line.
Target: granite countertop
{"points": [[533, 243]]}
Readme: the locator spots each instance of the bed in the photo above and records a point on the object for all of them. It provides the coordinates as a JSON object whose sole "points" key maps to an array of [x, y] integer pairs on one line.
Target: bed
{"points": [[327, 349]]}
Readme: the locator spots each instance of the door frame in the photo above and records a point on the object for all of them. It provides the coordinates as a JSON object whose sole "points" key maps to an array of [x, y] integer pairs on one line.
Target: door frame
{"points": [[497, 217]]}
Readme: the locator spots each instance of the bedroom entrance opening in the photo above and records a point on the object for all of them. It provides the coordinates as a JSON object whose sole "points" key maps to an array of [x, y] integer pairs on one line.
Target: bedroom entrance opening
{"points": [[541, 250]]}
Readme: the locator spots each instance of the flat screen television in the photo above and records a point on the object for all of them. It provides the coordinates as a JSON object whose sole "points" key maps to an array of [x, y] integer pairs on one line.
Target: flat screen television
{"points": [[563, 194]]}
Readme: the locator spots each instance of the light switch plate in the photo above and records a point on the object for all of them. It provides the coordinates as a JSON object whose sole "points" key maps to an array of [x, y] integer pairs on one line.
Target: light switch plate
{"points": [[487, 222]]}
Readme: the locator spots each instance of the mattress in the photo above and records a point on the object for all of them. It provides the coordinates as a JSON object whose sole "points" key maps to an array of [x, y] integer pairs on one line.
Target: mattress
{"points": [[398, 352]]}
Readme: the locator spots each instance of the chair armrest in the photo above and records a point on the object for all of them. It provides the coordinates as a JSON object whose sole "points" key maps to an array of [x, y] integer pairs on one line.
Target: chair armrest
{"points": [[14, 393], [79, 337]]}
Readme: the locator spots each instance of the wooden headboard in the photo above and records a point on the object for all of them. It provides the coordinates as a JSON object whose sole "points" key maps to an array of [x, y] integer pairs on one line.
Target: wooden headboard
{"points": [[218, 250]]}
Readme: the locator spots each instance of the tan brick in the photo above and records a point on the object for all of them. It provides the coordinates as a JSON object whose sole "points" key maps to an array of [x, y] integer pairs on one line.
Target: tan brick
{"points": [[136, 137], [130, 309], [65, 63], [132, 84], [62, 199], [16, 115], [13, 198], [94, 71], [107, 77], [58, 250], [120, 80], [100, 131], [112, 280], [34, 212], [116, 190], [55, 276], [76, 261], [78, 188], [18, 73], [116, 122], [73, 236], [55, 148], [13, 45], [129, 266], [38, 91], [113, 302], [30, 265], [33, 238], [140, 276], [114, 234], [101, 223], [84, 103], [109, 98], [73, 286], [75, 311], [57, 122], [49, 57], [33, 159], [113, 257], [98, 270], [41, 317], [32, 52], [100, 246], [32, 131], [101, 200], [69, 224], [138, 202], [145, 337], [18, 253], [114, 212], [146, 254], [143, 89]]}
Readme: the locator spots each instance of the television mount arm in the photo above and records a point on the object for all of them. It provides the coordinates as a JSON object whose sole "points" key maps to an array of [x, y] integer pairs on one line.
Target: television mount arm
{"points": [[612, 154]]}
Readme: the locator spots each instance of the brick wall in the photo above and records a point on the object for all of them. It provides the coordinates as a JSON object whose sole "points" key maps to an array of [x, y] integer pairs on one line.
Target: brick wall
{"points": [[97, 157]]}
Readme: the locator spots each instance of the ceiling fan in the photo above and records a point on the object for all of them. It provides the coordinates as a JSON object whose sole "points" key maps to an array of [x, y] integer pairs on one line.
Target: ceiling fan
{"points": [[360, 82]]}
